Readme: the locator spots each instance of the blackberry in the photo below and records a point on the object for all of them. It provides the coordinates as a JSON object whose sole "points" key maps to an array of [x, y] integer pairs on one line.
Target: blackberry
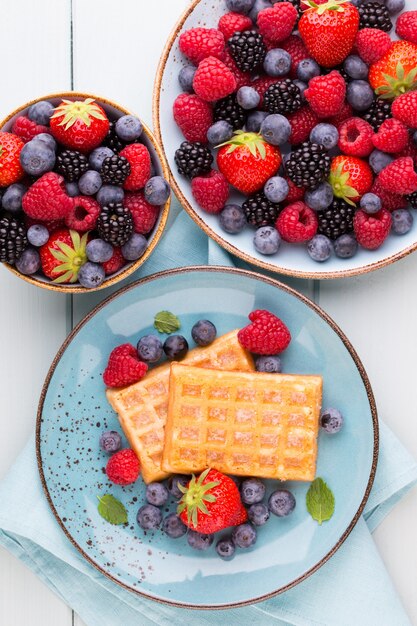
{"points": [[71, 164], [115, 170], [378, 112], [374, 15], [308, 165], [112, 140], [259, 211], [282, 97], [412, 199], [337, 220], [115, 224], [230, 111], [193, 159], [13, 240], [248, 50]]}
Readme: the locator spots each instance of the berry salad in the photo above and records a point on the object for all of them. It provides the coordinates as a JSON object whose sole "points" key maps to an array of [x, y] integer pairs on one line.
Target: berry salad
{"points": [[300, 122], [79, 197]]}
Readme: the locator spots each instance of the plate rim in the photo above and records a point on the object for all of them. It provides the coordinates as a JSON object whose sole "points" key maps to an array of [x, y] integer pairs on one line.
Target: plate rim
{"points": [[319, 275], [269, 281]]}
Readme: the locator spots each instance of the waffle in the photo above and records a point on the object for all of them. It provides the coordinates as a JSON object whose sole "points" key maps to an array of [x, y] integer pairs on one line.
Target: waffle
{"points": [[247, 424], [142, 408]]}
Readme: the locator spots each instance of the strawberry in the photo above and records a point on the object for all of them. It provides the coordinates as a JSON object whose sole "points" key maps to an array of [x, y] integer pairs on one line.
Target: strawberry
{"points": [[247, 161], [302, 123], [231, 23], [329, 30], [406, 26], [24, 128], [355, 137], [399, 176], [267, 334], [10, 169], [140, 166], [114, 264], [63, 255], [199, 43], [123, 467], [404, 108], [276, 23], [83, 215], [297, 223], [326, 94], [210, 503], [80, 125], [372, 230], [124, 367], [371, 44], [210, 191], [392, 136], [295, 47], [213, 80], [47, 198], [350, 178], [396, 71], [193, 116]]}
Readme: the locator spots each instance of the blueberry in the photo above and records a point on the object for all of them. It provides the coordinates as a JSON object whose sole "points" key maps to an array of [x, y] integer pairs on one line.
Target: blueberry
{"points": [[38, 235], [258, 6], [258, 514], [267, 240], [156, 494], [370, 203], [89, 183], [149, 517], [12, 199], [240, 6], [97, 157], [135, 247], [277, 62], [174, 481], [110, 193], [302, 86], [254, 121], [175, 347], [150, 348], [331, 421], [110, 441], [199, 541], [220, 132], [252, 490], [325, 134], [395, 6], [186, 78], [232, 219], [72, 189], [173, 526], [320, 248], [99, 251], [128, 128], [91, 275], [281, 503], [204, 333], [319, 198], [270, 364], [378, 160], [307, 69], [360, 95], [225, 548], [41, 112], [244, 536], [29, 262], [157, 191], [276, 129], [345, 246], [355, 67], [36, 158], [276, 189], [248, 98], [47, 140], [402, 221]]}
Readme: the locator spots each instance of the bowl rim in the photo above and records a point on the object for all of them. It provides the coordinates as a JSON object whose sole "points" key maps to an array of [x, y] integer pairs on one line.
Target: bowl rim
{"points": [[156, 236], [176, 186]]}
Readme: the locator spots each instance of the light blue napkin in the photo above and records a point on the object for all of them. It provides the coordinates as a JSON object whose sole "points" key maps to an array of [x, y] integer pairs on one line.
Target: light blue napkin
{"points": [[352, 589]]}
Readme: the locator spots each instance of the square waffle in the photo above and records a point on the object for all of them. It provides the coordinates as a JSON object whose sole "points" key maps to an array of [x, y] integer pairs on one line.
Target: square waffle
{"points": [[142, 408], [247, 424]]}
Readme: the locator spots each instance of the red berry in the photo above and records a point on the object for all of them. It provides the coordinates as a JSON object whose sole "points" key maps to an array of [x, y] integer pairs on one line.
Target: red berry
{"points": [[372, 230], [47, 199], [392, 136], [83, 215], [267, 335], [295, 47], [409, 150], [404, 108], [140, 166], [24, 128], [302, 123], [210, 191], [232, 23], [242, 78], [297, 223], [276, 23], [390, 201], [213, 80], [326, 93], [11, 170], [123, 467], [355, 137], [124, 367], [406, 27], [295, 193], [399, 176], [371, 44], [51, 225], [79, 125], [144, 214], [193, 116], [344, 113], [114, 264], [199, 43]]}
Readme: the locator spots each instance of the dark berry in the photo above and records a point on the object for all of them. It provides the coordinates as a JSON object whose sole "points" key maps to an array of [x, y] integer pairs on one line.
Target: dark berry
{"points": [[229, 110], [115, 170], [175, 347], [115, 224], [281, 503], [337, 220], [260, 211], [308, 165], [248, 50], [374, 15], [225, 548], [156, 494], [193, 159], [71, 164], [204, 333], [173, 526], [13, 239], [282, 97]]}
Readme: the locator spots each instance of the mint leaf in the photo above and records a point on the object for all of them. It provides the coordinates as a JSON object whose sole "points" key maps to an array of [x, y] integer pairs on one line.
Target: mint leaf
{"points": [[166, 322], [320, 501], [112, 510]]}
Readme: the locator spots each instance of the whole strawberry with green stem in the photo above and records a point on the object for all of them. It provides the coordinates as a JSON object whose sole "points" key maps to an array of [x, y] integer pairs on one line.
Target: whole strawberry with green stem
{"points": [[350, 178], [63, 255], [81, 124], [396, 71]]}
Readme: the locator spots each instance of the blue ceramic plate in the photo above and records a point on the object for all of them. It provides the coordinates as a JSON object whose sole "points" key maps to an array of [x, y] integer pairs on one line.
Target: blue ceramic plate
{"points": [[73, 413]]}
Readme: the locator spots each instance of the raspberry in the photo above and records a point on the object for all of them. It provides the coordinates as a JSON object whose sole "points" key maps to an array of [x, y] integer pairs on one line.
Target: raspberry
{"points": [[262, 84], [144, 214], [124, 367], [115, 264], [83, 215], [406, 27], [123, 467], [410, 150], [193, 116], [140, 166], [399, 176], [302, 123], [213, 80], [24, 128], [232, 23], [355, 137], [345, 113], [47, 199], [276, 23], [404, 108], [371, 44], [372, 230], [326, 94], [295, 193], [392, 136], [210, 191], [51, 225], [200, 43], [242, 78], [267, 335], [390, 201], [297, 223], [295, 47]]}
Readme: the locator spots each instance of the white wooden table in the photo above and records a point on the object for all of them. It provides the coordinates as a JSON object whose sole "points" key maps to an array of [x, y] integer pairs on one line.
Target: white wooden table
{"points": [[112, 49]]}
